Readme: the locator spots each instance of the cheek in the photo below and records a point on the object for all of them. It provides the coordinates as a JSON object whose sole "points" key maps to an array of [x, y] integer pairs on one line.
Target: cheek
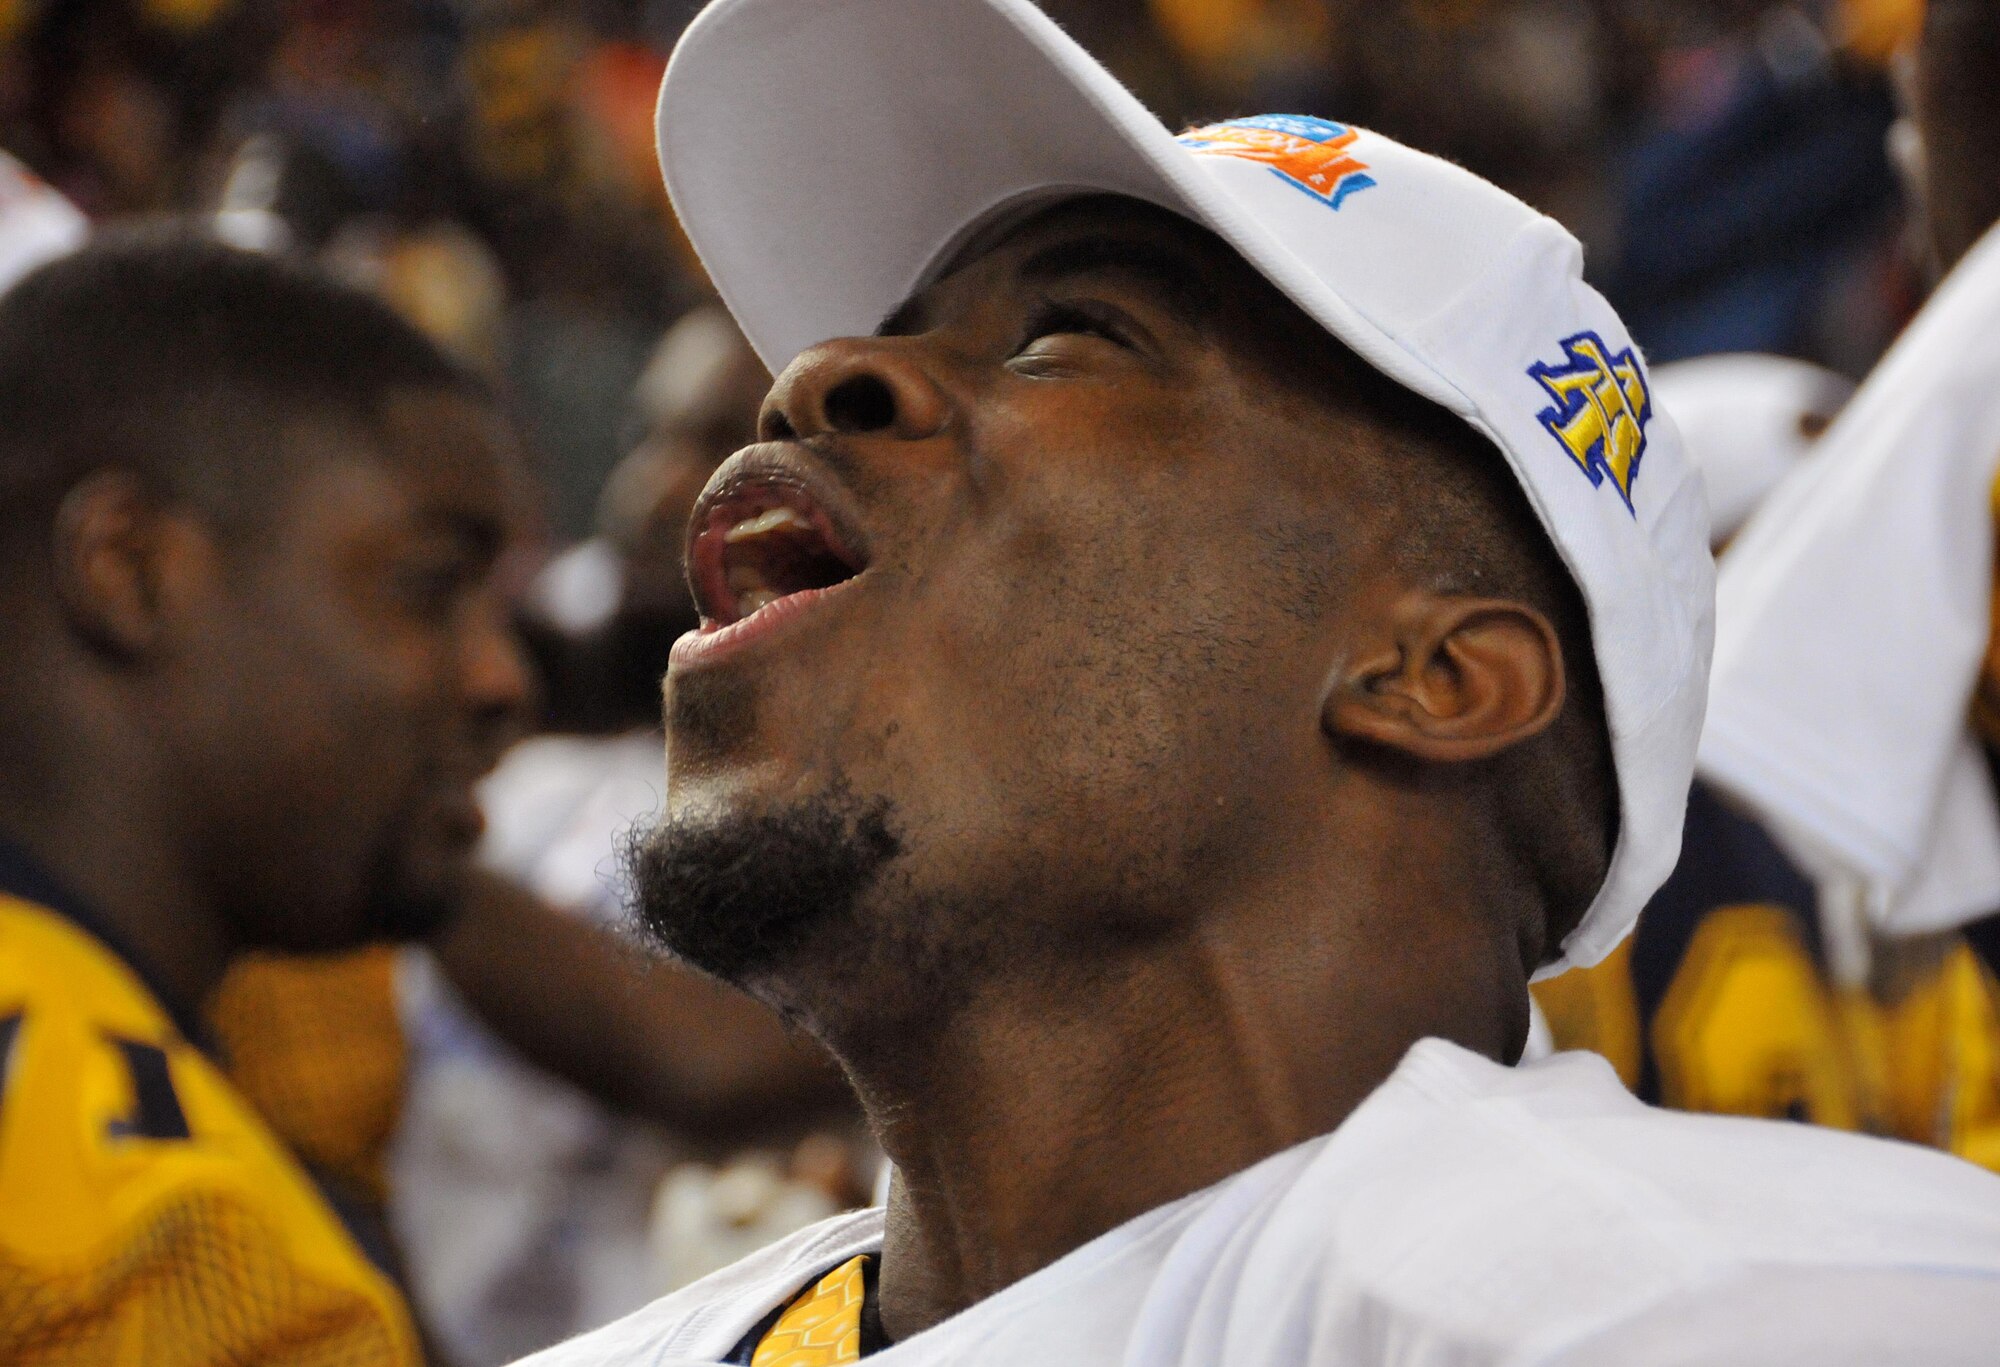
{"points": [[335, 714], [1103, 658]]}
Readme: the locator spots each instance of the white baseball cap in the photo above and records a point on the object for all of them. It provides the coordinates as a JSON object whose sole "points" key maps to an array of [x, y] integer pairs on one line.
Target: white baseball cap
{"points": [[827, 157]]}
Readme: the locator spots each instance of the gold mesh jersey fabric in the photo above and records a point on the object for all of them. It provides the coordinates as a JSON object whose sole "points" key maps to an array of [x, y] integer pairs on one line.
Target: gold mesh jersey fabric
{"points": [[147, 1214], [316, 1046], [823, 1327]]}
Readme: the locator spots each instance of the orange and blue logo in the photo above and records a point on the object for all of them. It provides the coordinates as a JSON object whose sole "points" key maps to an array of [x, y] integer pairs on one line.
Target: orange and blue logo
{"points": [[1309, 154], [1601, 411]]}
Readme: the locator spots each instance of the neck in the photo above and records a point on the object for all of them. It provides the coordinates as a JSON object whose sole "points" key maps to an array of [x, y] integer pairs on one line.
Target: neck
{"points": [[98, 825], [1044, 1113]]}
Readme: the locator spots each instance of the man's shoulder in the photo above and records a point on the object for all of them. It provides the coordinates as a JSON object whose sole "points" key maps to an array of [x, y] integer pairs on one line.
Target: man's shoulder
{"points": [[136, 1183], [703, 1320], [1772, 1317], [81, 1038], [48, 964], [1485, 1206], [1561, 1141]]}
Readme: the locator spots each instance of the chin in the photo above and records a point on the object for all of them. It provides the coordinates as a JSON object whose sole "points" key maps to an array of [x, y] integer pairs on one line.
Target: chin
{"points": [[743, 890], [314, 930], [711, 721], [420, 886], [418, 908]]}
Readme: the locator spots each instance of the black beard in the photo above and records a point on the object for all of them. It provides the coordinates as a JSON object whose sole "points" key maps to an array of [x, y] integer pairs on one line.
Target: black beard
{"points": [[742, 895]]}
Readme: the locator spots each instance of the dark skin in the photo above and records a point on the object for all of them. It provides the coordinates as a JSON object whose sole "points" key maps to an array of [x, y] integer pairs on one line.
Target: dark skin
{"points": [[256, 741], [1953, 103], [1957, 115], [1187, 774]]}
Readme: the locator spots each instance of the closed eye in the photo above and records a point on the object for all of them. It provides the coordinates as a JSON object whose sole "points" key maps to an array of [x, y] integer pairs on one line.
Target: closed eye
{"points": [[431, 588], [1061, 337], [1073, 318]]}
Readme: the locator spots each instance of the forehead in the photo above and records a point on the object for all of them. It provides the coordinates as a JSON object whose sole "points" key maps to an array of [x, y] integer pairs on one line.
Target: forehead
{"points": [[1152, 249], [445, 443], [430, 460], [1155, 235]]}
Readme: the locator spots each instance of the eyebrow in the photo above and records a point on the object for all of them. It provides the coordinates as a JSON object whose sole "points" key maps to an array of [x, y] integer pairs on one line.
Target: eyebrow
{"points": [[1174, 276]]}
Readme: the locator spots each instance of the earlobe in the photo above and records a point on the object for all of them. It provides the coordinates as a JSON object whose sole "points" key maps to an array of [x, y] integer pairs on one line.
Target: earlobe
{"points": [[1451, 679], [115, 562]]}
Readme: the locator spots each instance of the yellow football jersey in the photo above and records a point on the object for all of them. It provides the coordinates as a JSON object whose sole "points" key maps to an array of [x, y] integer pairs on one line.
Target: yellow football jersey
{"points": [[147, 1214], [314, 1044], [1723, 1001]]}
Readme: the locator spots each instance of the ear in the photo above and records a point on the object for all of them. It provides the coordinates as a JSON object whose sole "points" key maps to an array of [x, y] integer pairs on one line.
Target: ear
{"points": [[1450, 679], [124, 563]]}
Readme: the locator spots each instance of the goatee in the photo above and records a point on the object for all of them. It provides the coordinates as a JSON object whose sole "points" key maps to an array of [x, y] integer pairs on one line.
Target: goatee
{"points": [[738, 894]]}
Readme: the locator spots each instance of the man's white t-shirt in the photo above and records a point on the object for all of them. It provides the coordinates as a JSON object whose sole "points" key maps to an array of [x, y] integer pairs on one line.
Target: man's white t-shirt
{"points": [[1465, 1214]]}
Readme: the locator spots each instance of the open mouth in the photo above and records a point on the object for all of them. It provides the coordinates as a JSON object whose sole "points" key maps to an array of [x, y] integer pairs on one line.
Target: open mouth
{"points": [[763, 543]]}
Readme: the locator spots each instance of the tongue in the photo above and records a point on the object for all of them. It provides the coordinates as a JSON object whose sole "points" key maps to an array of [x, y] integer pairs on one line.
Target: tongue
{"points": [[751, 591], [779, 563]]}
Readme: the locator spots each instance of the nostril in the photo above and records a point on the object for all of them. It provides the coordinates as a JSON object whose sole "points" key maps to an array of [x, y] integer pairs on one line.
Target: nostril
{"points": [[861, 403], [773, 425]]}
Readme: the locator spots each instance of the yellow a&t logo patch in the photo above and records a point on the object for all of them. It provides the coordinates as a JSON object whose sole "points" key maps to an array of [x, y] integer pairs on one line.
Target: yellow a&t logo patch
{"points": [[1602, 407]]}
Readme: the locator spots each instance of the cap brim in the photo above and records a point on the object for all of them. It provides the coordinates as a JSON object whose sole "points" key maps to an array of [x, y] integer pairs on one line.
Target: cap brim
{"points": [[826, 159]]}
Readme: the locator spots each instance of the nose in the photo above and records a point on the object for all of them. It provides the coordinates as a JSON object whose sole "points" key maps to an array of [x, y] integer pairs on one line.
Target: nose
{"points": [[858, 386], [493, 671]]}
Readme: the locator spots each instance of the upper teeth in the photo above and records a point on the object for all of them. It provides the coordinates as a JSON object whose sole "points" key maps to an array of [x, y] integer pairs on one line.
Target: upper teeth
{"points": [[774, 520]]}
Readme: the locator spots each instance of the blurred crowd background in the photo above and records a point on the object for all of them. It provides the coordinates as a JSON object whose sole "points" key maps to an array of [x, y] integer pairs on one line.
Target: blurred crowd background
{"points": [[487, 166]]}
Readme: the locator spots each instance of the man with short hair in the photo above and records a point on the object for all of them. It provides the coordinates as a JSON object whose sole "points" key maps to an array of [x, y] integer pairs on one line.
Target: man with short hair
{"points": [[1223, 615], [252, 660]]}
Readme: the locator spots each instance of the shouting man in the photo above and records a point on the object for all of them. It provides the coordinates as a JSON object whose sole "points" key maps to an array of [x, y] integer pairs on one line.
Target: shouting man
{"points": [[1223, 617]]}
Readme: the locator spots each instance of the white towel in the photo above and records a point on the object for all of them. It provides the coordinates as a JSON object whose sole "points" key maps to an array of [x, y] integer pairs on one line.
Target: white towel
{"points": [[1747, 419], [36, 224], [1851, 621]]}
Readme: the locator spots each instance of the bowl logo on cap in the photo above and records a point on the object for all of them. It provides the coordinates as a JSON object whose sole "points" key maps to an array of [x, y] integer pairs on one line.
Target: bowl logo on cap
{"points": [[1308, 154], [1601, 411]]}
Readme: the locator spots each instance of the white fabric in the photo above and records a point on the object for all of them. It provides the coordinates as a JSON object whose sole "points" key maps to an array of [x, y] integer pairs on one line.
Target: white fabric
{"points": [[826, 156], [1465, 1214], [1853, 614], [555, 806], [1742, 418], [579, 591], [36, 223]]}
